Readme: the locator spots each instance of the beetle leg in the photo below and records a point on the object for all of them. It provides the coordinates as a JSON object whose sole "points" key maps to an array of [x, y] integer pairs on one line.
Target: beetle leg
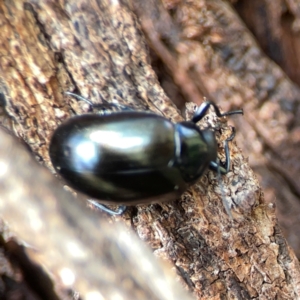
{"points": [[225, 203], [101, 106], [203, 108], [78, 97], [120, 210], [216, 166], [107, 107]]}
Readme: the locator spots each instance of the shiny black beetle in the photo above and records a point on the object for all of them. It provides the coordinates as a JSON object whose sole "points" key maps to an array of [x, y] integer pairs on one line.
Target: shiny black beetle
{"points": [[133, 157]]}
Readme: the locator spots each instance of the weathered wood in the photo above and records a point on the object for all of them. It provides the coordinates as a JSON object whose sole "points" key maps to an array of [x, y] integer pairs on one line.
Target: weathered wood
{"points": [[233, 71], [275, 25], [82, 249], [97, 49]]}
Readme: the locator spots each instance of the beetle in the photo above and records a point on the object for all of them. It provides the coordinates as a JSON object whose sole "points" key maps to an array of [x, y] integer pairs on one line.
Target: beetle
{"points": [[130, 157]]}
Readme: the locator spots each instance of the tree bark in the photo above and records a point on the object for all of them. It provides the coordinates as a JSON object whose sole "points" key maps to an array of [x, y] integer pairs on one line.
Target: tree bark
{"points": [[198, 48], [277, 31]]}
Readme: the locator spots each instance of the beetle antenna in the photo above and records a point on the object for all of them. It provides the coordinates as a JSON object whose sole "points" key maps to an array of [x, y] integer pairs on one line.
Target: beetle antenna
{"points": [[203, 108]]}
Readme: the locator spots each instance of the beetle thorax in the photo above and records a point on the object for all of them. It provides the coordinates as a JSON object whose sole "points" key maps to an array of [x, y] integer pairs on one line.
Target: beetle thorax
{"points": [[195, 150]]}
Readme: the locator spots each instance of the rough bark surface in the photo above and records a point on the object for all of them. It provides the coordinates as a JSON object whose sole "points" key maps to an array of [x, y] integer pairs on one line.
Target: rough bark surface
{"points": [[82, 250], [97, 49], [275, 24]]}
